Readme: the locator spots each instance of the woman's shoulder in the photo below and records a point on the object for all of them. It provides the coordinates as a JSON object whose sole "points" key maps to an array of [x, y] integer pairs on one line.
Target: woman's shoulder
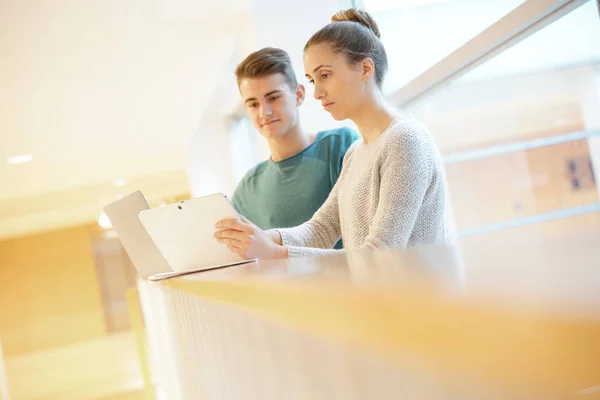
{"points": [[351, 150], [407, 128], [408, 138]]}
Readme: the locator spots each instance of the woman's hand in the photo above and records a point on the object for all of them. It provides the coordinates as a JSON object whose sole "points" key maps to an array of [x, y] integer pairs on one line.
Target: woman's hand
{"points": [[249, 241]]}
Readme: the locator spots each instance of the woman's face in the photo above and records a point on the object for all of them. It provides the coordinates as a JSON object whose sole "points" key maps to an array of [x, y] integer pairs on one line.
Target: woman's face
{"points": [[339, 86]]}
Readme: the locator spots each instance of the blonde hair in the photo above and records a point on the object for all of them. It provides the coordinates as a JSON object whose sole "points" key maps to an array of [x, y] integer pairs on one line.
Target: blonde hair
{"points": [[355, 34], [265, 62]]}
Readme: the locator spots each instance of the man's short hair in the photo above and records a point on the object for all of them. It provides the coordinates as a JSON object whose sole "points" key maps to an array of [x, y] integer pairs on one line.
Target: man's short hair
{"points": [[266, 62]]}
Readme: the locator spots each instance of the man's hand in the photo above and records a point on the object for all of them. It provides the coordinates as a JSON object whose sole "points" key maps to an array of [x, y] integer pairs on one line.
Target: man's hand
{"points": [[249, 241]]}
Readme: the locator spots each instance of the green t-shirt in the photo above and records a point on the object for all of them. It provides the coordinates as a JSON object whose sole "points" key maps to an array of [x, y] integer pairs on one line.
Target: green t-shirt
{"points": [[287, 193]]}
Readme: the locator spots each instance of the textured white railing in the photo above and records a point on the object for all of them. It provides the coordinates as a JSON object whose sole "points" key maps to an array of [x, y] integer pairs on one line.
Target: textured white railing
{"points": [[518, 324], [212, 350]]}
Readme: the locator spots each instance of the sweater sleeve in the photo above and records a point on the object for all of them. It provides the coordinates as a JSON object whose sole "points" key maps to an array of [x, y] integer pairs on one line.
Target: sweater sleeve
{"points": [[405, 175], [322, 231]]}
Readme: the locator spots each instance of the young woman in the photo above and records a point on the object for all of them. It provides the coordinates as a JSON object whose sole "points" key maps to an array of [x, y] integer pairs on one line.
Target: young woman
{"points": [[392, 191]]}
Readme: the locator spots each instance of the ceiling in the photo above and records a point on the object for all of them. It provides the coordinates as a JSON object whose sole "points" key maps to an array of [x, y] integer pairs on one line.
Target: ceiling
{"points": [[102, 90]]}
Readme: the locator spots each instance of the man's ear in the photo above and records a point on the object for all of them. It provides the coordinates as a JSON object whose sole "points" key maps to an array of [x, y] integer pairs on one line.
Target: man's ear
{"points": [[300, 94], [367, 67]]}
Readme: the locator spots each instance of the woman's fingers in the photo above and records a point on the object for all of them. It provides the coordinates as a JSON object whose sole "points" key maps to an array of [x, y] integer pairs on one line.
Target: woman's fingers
{"points": [[236, 250], [234, 224], [231, 242], [233, 235]]}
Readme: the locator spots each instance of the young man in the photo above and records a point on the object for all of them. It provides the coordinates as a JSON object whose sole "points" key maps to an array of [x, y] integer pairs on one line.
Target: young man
{"points": [[286, 190]]}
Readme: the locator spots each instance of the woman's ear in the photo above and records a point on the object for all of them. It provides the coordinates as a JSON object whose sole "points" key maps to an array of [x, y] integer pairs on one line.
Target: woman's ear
{"points": [[367, 68], [300, 94]]}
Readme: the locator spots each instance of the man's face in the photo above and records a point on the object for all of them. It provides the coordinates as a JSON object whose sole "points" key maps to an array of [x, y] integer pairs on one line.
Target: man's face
{"points": [[271, 104]]}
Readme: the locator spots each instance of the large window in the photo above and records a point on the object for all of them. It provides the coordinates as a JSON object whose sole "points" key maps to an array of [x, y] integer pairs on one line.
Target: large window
{"points": [[419, 33], [520, 134]]}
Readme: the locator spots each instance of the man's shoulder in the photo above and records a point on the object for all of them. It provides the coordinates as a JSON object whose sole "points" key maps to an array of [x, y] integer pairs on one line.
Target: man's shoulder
{"points": [[254, 172], [343, 134]]}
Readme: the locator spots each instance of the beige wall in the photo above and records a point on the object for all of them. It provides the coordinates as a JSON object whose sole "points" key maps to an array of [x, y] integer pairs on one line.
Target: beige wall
{"points": [[49, 294], [517, 185]]}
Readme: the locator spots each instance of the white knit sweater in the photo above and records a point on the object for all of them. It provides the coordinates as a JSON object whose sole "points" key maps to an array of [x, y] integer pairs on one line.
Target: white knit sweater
{"points": [[392, 193]]}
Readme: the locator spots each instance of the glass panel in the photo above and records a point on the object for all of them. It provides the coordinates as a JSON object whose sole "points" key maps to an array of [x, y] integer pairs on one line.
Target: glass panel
{"points": [[520, 134], [419, 33]]}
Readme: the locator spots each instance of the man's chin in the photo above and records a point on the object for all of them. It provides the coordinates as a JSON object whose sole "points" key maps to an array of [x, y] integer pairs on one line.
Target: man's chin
{"points": [[272, 134]]}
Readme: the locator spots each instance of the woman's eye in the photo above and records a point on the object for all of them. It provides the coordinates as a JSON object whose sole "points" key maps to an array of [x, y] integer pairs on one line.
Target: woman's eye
{"points": [[324, 76]]}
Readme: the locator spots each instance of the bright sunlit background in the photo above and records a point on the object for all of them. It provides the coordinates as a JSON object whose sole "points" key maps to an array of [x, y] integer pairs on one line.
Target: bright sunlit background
{"points": [[101, 98]]}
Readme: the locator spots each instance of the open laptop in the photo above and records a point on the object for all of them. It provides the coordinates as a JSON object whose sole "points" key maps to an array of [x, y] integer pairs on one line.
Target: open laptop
{"points": [[146, 257]]}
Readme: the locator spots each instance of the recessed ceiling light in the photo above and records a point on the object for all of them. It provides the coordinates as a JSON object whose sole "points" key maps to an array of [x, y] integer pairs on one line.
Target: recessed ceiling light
{"points": [[20, 159], [120, 182]]}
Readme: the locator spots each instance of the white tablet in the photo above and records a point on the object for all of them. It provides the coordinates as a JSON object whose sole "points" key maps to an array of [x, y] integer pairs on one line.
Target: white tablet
{"points": [[184, 232]]}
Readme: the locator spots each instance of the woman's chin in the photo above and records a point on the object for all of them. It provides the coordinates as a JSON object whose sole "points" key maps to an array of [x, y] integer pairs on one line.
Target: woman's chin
{"points": [[337, 116]]}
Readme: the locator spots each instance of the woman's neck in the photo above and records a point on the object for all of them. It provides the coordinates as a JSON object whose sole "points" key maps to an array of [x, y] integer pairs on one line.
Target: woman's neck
{"points": [[374, 116]]}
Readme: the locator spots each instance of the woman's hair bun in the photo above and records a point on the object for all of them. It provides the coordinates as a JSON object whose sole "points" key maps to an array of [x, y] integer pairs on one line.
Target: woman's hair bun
{"points": [[360, 16]]}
